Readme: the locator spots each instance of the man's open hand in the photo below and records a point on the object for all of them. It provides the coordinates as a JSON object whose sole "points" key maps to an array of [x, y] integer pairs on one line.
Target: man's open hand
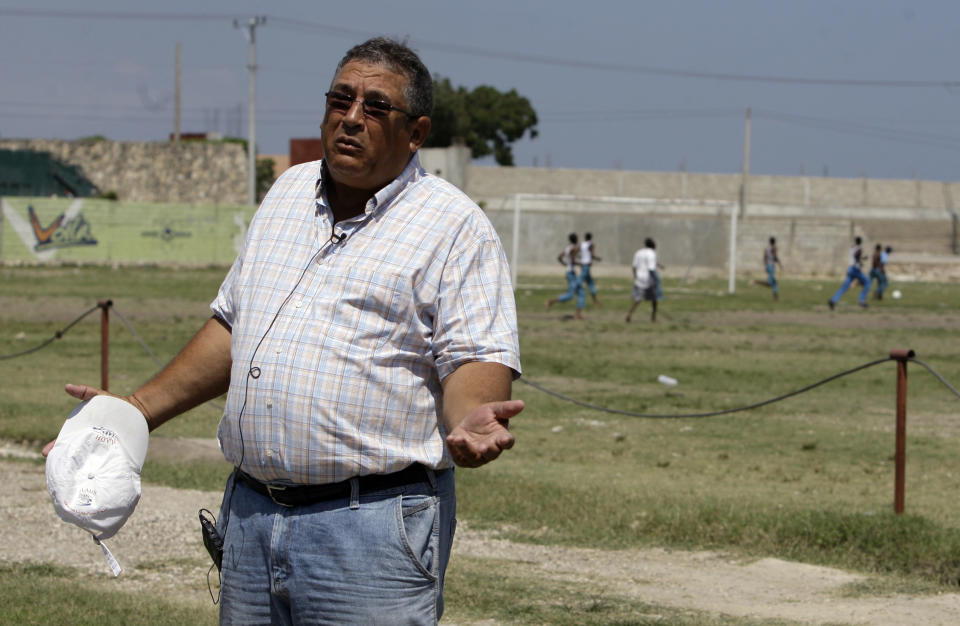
{"points": [[483, 434]]}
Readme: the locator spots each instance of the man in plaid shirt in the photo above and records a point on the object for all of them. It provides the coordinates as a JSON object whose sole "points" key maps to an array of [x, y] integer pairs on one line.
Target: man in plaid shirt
{"points": [[366, 339]]}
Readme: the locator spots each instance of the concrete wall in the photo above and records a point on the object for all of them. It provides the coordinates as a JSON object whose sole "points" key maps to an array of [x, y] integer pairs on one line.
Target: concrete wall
{"points": [[693, 237], [452, 164], [813, 218], [86, 230], [187, 172], [687, 233], [492, 184]]}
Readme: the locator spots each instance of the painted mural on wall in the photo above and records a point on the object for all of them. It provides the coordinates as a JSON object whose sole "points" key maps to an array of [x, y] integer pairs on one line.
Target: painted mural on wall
{"points": [[63, 232], [167, 233], [102, 231]]}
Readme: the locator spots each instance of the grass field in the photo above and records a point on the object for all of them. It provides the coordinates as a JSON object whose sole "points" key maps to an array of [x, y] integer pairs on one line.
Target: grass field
{"points": [[809, 478]]}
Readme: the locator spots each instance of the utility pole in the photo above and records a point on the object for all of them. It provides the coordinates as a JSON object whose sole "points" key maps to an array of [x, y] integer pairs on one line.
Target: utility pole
{"points": [[745, 177], [176, 96], [250, 33]]}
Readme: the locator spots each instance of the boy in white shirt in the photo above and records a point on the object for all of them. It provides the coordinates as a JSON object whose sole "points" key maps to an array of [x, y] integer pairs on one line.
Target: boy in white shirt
{"points": [[645, 278]]}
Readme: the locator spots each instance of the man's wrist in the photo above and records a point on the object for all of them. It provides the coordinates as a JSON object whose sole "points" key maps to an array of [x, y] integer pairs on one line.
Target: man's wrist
{"points": [[137, 402]]}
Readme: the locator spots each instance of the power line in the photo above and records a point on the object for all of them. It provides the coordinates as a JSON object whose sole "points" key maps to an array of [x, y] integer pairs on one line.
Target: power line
{"points": [[825, 124], [855, 128], [309, 117], [523, 57], [113, 15], [308, 113], [640, 114], [156, 117], [634, 69]]}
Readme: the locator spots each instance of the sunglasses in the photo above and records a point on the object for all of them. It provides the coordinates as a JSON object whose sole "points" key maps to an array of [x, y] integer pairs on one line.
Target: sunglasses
{"points": [[341, 102]]}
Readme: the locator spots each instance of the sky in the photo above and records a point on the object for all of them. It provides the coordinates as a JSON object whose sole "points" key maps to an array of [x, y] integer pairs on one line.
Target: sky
{"points": [[841, 88]]}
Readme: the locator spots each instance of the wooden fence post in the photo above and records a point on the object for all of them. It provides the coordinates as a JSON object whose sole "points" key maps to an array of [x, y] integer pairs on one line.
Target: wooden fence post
{"points": [[104, 342], [900, 456]]}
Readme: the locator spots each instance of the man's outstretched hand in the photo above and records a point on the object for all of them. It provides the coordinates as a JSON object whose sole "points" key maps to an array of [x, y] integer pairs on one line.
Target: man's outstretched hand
{"points": [[84, 392], [80, 392], [483, 434]]}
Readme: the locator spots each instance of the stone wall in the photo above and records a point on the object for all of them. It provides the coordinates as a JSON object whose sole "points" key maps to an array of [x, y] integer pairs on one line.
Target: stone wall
{"points": [[492, 184], [211, 172], [192, 172]]}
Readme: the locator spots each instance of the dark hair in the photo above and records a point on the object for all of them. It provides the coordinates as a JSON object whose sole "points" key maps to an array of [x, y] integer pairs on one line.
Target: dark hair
{"points": [[648, 242], [572, 237], [889, 248], [857, 240], [773, 240], [399, 58], [878, 247], [588, 236]]}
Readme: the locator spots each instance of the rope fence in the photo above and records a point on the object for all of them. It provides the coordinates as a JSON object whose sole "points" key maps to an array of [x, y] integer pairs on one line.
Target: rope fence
{"points": [[105, 306], [902, 357], [756, 405], [748, 407], [57, 335], [138, 338], [108, 304]]}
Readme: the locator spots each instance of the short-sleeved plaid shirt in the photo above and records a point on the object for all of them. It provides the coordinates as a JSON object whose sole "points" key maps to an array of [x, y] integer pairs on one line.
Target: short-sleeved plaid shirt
{"points": [[341, 333]]}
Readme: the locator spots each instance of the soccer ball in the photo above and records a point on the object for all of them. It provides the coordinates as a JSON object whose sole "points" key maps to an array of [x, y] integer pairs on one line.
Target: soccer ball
{"points": [[896, 294]]}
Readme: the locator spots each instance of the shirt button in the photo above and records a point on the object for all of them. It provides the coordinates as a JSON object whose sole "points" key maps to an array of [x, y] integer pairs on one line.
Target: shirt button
{"points": [[269, 404], [298, 303], [269, 453]]}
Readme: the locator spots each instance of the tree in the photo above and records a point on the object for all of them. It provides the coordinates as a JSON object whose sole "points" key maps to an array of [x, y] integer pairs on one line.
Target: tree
{"points": [[265, 176], [487, 120]]}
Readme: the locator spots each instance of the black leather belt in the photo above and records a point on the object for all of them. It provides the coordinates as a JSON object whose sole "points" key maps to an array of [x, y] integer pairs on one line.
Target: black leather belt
{"points": [[302, 495]]}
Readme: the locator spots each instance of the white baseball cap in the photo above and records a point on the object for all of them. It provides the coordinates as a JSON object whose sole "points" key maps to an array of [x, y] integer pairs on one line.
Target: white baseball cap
{"points": [[93, 470]]}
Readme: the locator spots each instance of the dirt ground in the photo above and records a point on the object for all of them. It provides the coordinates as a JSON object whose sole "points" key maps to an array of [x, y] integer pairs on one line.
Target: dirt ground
{"points": [[159, 549]]}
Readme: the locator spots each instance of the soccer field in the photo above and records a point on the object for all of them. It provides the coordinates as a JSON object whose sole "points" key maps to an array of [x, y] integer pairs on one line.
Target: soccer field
{"points": [[808, 478]]}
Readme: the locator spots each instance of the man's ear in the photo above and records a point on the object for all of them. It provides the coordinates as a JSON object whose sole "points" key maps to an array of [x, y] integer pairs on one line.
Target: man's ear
{"points": [[419, 129]]}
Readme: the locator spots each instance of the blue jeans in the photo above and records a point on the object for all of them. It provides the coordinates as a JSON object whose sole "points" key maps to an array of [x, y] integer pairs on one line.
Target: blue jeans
{"points": [[771, 277], [853, 273], [574, 288], [587, 279], [374, 558], [882, 282]]}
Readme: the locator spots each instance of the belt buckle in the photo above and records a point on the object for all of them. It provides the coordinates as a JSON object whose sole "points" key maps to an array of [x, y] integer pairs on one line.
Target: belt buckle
{"points": [[279, 489]]}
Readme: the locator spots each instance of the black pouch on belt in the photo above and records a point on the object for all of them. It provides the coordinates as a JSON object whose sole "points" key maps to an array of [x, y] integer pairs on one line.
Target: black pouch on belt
{"points": [[212, 540]]}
